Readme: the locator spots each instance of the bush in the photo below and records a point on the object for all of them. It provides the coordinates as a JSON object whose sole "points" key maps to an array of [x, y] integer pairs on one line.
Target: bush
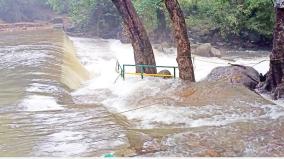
{"points": [[235, 17]]}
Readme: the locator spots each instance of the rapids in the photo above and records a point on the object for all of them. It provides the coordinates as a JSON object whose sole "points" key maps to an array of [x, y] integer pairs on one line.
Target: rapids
{"points": [[54, 102]]}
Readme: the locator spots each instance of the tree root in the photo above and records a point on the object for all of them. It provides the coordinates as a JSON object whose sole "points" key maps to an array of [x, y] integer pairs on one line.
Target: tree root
{"points": [[268, 86]]}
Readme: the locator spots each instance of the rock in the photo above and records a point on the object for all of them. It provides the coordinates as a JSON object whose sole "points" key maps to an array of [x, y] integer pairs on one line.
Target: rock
{"points": [[57, 20], [58, 26], [203, 50], [165, 72], [158, 47], [211, 153], [215, 52], [236, 74], [151, 146], [164, 47], [126, 152], [254, 37], [194, 46], [206, 50], [220, 43]]}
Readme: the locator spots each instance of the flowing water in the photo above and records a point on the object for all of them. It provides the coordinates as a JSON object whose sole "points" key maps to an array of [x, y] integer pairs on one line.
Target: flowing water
{"points": [[61, 100]]}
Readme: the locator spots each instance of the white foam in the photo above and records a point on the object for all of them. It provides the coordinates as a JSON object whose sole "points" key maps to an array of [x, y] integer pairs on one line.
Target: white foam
{"points": [[40, 103], [99, 56], [66, 136], [41, 88]]}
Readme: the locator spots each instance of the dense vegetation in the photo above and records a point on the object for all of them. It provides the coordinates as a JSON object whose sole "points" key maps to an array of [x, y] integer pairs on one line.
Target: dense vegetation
{"points": [[230, 18], [237, 17]]}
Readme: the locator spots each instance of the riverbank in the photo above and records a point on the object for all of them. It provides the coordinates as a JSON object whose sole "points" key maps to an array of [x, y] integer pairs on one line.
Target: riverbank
{"points": [[198, 36], [24, 26]]}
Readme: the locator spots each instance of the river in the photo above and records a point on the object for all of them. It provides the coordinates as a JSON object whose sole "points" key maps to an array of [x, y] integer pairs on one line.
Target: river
{"points": [[62, 97]]}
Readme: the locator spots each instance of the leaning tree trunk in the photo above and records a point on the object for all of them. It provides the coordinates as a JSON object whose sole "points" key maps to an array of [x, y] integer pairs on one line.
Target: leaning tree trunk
{"points": [[186, 71], [275, 78], [143, 52]]}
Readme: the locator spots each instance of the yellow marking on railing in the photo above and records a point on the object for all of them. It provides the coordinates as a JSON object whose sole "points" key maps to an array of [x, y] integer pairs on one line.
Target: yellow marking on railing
{"points": [[155, 75]]}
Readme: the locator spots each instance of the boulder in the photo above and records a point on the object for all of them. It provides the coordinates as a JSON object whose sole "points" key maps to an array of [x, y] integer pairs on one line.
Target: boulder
{"points": [[215, 52], [206, 50], [203, 50], [57, 20], [236, 74], [164, 47], [165, 72]]}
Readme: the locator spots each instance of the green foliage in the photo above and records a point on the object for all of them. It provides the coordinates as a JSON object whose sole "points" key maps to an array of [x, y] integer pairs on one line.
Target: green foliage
{"points": [[231, 17], [58, 6], [79, 10], [147, 11], [235, 16], [260, 17]]}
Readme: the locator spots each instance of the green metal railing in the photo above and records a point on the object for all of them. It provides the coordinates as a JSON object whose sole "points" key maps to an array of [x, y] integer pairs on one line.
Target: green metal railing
{"points": [[121, 70]]}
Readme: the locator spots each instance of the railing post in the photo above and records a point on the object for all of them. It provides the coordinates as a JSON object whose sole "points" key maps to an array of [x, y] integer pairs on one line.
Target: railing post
{"points": [[118, 66], [123, 72], [174, 73], [142, 71]]}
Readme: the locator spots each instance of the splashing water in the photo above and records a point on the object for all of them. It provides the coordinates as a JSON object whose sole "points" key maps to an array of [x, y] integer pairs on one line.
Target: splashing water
{"points": [[161, 117]]}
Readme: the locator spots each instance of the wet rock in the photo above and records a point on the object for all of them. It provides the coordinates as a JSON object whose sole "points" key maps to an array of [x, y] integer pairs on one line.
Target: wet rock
{"points": [[238, 147], [57, 20], [210, 153], [125, 153], [152, 145], [165, 72], [216, 52], [58, 26], [194, 46], [143, 143], [203, 50], [163, 47], [206, 50], [236, 74]]}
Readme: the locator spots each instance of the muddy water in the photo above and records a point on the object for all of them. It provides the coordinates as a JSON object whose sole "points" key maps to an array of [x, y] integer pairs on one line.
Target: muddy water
{"points": [[37, 114], [55, 102]]}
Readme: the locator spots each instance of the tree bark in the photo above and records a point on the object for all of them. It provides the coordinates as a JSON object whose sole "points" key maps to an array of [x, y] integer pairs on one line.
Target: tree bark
{"points": [[143, 52], [186, 71], [275, 78]]}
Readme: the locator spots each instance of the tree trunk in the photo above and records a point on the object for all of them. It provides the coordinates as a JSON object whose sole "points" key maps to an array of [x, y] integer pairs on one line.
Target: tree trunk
{"points": [[274, 78], [143, 52], [186, 71]]}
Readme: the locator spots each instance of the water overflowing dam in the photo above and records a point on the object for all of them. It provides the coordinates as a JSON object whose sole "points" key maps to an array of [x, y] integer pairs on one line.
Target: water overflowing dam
{"points": [[60, 96]]}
